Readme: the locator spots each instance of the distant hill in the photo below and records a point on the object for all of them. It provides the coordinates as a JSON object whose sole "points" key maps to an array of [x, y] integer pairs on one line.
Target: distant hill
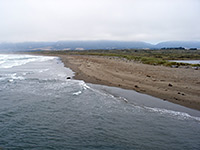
{"points": [[101, 45], [86, 45], [185, 44]]}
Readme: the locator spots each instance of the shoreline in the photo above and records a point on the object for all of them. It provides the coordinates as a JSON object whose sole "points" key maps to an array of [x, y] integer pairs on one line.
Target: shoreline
{"points": [[176, 85]]}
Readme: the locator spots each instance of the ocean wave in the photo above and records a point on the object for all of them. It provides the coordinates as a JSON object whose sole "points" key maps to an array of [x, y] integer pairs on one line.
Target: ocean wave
{"points": [[84, 85], [179, 115], [162, 111], [45, 80], [77, 93], [11, 77], [1, 62], [9, 61]]}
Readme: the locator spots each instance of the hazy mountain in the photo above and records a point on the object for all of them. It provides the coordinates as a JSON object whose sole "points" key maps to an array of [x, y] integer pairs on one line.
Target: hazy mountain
{"points": [[61, 45], [26, 46], [185, 44], [100, 45], [80, 45]]}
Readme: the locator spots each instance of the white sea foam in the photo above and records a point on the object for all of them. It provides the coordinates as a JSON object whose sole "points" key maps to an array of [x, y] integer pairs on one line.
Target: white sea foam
{"points": [[1, 62], [84, 85], [179, 115], [77, 93], [43, 70], [11, 77], [9, 61]]}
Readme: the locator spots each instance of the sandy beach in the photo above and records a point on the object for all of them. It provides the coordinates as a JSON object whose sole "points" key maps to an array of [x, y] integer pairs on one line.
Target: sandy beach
{"points": [[177, 85]]}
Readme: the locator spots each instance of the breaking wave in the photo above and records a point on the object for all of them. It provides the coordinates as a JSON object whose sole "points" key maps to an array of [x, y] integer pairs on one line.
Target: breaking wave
{"points": [[179, 115], [9, 61]]}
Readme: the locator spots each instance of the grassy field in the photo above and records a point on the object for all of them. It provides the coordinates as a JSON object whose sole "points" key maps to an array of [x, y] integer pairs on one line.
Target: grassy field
{"points": [[152, 57]]}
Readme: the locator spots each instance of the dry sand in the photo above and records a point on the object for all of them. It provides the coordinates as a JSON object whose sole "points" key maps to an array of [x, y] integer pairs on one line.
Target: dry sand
{"points": [[177, 85]]}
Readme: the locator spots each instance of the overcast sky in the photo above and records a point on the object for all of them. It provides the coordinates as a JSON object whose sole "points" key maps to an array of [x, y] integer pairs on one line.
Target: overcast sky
{"points": [[128, 20]]}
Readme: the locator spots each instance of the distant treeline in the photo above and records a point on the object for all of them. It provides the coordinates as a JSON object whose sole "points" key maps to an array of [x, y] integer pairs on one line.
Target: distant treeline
{"points": [[176, 48], [173, 48]]}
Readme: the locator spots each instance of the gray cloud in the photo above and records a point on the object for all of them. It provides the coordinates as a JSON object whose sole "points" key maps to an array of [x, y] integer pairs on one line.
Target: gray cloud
{"points": [[132, 20]]}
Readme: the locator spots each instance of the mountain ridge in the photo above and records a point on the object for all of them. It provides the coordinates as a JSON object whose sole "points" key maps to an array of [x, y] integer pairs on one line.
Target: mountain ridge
{"points": [[99, 44]]}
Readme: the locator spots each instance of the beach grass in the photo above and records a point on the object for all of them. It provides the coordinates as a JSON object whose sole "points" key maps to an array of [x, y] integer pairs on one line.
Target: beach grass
{"points": [[151, 57]]}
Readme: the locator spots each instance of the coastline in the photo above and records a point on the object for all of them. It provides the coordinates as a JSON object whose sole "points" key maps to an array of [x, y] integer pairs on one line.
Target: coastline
{"points": [[177, 85], [70, 109]]}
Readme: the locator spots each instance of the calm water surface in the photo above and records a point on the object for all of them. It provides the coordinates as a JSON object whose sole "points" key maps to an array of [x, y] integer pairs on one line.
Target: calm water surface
{"points": [[187, 61]]}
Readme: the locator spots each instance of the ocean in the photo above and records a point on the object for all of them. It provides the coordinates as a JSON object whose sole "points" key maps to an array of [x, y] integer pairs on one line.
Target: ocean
{"points": [[187, 61], [40, 109]]}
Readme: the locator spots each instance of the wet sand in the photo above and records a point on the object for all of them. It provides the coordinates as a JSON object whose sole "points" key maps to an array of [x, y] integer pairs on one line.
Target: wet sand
{"points": [[177, 85]]}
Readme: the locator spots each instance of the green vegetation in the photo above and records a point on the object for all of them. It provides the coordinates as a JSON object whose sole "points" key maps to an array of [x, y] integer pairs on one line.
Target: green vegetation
{"points": [[152, 57]]}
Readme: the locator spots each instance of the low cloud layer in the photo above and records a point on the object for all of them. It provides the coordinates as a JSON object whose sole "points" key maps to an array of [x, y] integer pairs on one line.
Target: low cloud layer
{"points": [[127, 20]]}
